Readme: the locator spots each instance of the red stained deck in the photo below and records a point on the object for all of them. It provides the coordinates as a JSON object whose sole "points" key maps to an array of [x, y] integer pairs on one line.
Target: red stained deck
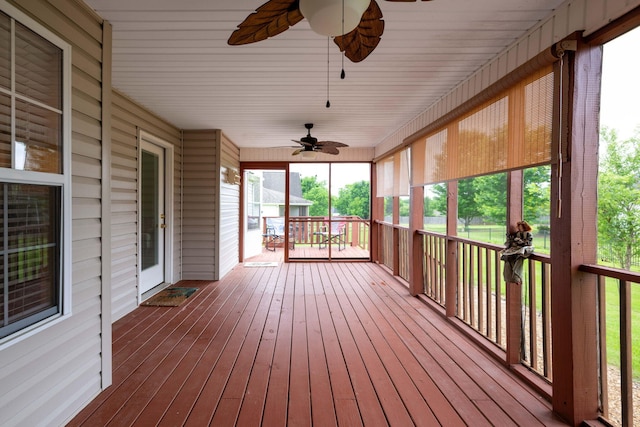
{"points": [[304, 344]]}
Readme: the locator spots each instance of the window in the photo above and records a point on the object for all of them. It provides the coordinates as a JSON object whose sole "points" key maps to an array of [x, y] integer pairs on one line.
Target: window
{"points": [[34, 174], [253, 201]]}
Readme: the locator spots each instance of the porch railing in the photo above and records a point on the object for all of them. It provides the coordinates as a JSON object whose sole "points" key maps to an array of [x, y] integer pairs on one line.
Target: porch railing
{"points": [[615, 317], [482, 302], [481, 299], [394, 243]]}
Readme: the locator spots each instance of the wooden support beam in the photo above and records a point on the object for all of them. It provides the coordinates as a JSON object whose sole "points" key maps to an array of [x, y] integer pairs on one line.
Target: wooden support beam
{"points": [[416, 250], [514, 290], [396, 236], [451, 262], [377, 214], [573, 235]]}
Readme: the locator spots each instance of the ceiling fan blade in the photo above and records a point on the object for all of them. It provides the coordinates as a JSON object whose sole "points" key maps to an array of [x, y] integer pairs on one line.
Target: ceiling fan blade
{"points": [[270, 19], [306, 144], [330, 144], [327, 149], [360, 42], [298, 151]]}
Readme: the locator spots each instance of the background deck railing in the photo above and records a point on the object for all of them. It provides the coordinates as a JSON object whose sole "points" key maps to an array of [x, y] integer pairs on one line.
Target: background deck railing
{"points": [[306, 230], [615, 296]]}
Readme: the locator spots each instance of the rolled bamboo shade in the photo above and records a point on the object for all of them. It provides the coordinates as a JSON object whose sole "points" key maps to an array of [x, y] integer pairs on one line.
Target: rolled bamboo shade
{"points": [[393, 175], [511, 130]]}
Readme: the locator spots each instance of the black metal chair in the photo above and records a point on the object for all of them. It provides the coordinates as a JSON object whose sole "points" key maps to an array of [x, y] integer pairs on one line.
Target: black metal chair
{"points": [[275, 234], [337, 234]]}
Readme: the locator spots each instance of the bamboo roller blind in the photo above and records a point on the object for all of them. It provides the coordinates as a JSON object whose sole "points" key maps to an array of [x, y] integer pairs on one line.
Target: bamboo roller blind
{"points": [[509, 131], [393, 175]]}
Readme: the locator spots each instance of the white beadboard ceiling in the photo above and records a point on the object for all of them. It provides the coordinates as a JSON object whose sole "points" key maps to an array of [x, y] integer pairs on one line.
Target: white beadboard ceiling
{"points": [[173, 58]]}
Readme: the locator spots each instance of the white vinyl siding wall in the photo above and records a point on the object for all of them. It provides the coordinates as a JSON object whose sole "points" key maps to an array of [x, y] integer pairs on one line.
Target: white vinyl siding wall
{"points": [[200, 205], [229, 223], [127, 117], [572, 16], [51, 374], [211, 208]]}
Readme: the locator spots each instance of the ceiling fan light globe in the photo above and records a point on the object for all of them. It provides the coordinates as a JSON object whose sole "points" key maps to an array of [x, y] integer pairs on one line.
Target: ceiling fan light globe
{"points": [[310, 155], [325, 16]]}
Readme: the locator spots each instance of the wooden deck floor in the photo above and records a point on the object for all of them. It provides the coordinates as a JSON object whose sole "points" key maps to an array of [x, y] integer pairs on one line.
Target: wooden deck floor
{"points": [[304, 344]]}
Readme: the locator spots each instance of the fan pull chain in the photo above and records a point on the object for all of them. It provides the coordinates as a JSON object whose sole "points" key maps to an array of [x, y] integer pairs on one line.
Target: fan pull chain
{"points": [[342, 74], [328, 103]]}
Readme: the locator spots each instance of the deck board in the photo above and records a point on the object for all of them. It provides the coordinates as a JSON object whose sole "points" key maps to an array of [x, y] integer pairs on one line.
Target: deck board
{"points": [[304, 344]]}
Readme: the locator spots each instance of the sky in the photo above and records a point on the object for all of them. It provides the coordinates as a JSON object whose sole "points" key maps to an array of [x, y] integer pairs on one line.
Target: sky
{"points": [[620, 101], [343, 173]]}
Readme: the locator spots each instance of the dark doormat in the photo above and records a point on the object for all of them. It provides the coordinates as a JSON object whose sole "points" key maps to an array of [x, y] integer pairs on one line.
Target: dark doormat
{"points": [[170, 297]]}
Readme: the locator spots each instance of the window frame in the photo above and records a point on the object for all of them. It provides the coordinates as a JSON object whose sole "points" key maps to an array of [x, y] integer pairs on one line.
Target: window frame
{"points": [[62, 180]]}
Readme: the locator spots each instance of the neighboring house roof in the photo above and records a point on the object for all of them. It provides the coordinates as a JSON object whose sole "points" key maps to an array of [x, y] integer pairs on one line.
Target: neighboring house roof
{"points": [[273, 184], [274, 180], [273, 197]]}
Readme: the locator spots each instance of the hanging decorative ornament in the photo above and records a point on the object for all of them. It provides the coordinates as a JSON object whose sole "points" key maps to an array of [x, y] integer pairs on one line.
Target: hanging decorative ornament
{"points": [[325, 16]]}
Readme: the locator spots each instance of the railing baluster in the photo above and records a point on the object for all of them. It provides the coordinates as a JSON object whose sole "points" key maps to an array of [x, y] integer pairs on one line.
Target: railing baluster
{"points": [[546, 319], [481, 325], [626, 372], [471, 293], [533, 317], [602, 335], [489, 311], [500, 335]]}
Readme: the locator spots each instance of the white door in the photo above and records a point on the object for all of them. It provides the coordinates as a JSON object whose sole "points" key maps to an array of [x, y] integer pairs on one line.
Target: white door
{"points": [[152, 215], [253, 217]]}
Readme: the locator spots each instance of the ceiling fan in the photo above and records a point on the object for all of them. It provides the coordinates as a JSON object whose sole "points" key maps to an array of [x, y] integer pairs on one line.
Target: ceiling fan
{"points": [[276, 16], [312, 145]]}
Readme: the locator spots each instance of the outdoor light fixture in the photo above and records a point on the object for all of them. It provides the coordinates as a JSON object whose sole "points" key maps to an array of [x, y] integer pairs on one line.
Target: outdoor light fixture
{"points": [[308, 155], [326, 16]]}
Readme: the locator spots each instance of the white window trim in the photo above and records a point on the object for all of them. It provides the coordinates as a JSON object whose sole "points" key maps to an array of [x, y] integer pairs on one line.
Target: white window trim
{"points": [[63, 180]]}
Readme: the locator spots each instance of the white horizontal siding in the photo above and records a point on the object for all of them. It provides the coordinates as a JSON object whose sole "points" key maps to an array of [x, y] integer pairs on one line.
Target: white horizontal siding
{"points": [[229, 213], [200, 204], [572, 16], [127, 117], [41, 376], [284, 155]]}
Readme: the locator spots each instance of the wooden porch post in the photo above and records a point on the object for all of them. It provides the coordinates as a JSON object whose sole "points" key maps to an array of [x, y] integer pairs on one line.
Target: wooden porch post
{"points": [[573, 237], [514, 290], [416, 251], [377, 214], [451, 261], [396, 236]]}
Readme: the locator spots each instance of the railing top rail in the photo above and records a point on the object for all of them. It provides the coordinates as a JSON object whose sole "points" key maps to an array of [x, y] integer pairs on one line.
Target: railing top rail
{"points": [[616, 273], [491, 246], [388, 224]]}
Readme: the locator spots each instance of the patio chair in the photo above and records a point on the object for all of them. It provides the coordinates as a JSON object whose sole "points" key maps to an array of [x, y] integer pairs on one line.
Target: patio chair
{"points": [[337, 235], [275, 234]]}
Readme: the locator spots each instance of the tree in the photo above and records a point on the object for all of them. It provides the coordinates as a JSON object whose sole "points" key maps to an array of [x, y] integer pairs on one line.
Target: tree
{"points": [[619, 197], [353, 199], [537, 193], [316, 191], [468, 208], [490, 196], [467, 205]]}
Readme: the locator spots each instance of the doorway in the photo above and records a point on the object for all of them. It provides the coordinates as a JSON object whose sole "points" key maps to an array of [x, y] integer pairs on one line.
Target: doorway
{"points": [[154, 217], [306, 211], [330, 210], [264, 195]]}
